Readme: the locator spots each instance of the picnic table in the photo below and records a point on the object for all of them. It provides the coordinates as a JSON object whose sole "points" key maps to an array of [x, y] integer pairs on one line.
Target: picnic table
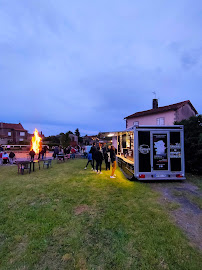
{"points": [[23, 165], [27, 165], [33, 162]]}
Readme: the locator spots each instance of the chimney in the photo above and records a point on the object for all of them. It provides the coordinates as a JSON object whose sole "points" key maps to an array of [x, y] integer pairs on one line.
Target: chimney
{"points": [[155, 103]]}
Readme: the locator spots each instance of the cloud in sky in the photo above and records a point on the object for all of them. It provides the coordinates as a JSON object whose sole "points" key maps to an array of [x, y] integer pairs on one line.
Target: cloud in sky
{"points": [[88, 64]]}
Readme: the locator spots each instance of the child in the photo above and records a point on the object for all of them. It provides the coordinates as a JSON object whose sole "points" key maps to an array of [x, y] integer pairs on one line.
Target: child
{"points": [[89, 161]]}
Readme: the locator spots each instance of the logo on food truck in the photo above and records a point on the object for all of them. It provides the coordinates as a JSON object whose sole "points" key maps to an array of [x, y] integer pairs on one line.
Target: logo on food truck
{"points": [[144, 149]]}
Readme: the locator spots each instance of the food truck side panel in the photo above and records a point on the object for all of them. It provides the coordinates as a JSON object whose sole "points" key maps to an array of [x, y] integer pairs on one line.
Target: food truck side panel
{"points": [[159, 153]]}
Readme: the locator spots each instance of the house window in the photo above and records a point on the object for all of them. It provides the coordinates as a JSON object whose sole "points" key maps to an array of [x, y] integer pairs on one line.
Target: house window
{"points": [[9, 133], [22, 133], [21, 139], [136, 123], [160, 121]]}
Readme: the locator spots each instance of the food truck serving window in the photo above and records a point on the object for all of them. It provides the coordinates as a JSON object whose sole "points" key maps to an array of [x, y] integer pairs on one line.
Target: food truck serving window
{"points": [[144, 151]]}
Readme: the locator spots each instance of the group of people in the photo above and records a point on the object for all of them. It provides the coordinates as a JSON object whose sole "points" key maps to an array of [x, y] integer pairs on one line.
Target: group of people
{"points": [[64, 151], [41, 154], [6, 158], [97, 155]]}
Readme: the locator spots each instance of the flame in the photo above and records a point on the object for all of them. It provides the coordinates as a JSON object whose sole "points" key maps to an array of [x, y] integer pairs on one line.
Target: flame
{"points": [[36, 142]]}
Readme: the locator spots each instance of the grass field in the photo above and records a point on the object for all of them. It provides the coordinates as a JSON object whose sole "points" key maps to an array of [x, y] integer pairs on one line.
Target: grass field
{"points": [[69, 218]]}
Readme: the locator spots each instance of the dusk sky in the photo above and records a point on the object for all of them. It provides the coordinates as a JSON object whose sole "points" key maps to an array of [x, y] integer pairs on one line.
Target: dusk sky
{"points": [[88, 64]]}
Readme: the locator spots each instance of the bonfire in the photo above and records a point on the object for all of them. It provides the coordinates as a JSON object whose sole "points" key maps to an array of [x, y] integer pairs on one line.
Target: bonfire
{"points": [[36, 142]]}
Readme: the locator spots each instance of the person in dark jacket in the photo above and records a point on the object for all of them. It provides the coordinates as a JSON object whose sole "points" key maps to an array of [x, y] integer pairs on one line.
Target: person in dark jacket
{"points": [[113, 160], [55, 152], [45, 150], [92, 151], [107, 158], [98, 158], [32, 154], [42, 153]]}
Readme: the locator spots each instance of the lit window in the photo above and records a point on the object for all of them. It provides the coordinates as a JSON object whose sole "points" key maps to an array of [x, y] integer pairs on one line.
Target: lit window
{"points": [[160, 121], [21, 139], [136, 123], [22, 133], [9, 133]]}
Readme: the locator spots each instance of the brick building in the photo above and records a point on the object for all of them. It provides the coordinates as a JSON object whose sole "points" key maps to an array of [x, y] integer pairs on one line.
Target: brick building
{"points": [[74, 140], [12, 133]]}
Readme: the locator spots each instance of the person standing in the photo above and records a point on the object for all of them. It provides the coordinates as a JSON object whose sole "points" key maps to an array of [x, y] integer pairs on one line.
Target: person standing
{"points": [[55, 152], [92, 151], [73, 151], [98, 158], [107, 158], [45, 150], [113, 160], [32, 154], [42, 153]]}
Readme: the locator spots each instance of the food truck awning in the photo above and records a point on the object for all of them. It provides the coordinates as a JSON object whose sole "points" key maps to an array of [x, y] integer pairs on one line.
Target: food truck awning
{"points": [[115, 133]]}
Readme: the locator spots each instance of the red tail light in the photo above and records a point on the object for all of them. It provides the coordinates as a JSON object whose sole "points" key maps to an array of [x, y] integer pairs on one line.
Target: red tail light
{"points": [[179, 175], [141, 175]]}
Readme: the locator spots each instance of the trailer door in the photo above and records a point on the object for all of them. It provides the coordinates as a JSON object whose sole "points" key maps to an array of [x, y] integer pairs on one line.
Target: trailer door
{"points": [[160, 162]]}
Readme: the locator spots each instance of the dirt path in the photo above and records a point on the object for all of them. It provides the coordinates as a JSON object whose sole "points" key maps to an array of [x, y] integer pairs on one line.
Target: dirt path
{"points": [[187, 212]]}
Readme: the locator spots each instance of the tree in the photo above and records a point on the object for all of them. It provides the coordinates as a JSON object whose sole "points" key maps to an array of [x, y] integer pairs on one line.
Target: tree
{"points": [[77, 132], [70, 132], [64, 139], [52, 139], [80, 140], [193, 143]]}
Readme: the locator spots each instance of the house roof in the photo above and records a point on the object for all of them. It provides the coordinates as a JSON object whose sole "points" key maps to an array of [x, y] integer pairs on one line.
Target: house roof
{"points": [[172, 107], [12, 126]]}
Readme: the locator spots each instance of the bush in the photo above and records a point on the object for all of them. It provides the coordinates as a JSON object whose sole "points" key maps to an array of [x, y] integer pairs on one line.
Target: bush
{"points": [[193, 143]]}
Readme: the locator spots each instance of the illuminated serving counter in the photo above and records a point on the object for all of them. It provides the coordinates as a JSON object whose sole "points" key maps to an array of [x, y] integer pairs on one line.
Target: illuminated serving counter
{"points": [[127, 166]]}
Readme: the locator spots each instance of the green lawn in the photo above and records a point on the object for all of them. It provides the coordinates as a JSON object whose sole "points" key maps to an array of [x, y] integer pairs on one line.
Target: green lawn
{"points": [[195, 179], [70, 218]]}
